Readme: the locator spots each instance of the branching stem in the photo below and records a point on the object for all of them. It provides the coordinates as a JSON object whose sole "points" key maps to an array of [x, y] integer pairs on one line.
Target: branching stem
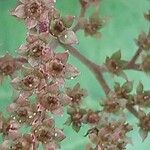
{"points": [[91, 65]]}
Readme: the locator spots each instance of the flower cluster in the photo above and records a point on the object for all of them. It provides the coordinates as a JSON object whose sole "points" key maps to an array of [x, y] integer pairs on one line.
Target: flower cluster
{"points": [[43, 80], [40, 78], [9, 66], [79, 116], [34, 11], [42, 16], [40, 72], [44, 132], [110, 136]]}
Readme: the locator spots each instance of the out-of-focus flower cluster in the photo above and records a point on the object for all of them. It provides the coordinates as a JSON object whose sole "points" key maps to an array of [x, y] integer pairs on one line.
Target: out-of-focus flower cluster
{"points": [[112, 135]]}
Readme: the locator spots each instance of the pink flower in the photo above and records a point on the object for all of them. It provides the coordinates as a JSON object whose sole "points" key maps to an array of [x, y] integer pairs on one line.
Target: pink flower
{"points": [[60, 28], [112, 135], [76, 94], [33, 11], [143, 41], [10, 129], [58, 69], [32, 81], [23, 112], [76, 118], [53, 100], [46, 133], [9, 65], [92, 117], [36, 50], [25, 142]]}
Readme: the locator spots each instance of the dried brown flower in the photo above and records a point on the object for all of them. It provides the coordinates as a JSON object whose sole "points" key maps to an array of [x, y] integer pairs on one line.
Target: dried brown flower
{"points": [[76, 94], [76, 118], [143, 41]]}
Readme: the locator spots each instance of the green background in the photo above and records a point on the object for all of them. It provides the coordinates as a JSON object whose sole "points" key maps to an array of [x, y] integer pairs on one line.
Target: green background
{"points": [[125, 22]]}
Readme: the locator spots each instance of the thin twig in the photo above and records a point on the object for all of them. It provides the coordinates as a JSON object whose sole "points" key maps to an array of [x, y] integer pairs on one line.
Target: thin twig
{"points": [[132, 110], [136, 55], [135, 67], [91, 65], [134, 58]]}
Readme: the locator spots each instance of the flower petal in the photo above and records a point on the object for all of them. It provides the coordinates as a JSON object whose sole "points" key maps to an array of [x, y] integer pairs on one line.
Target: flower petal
{"points": [[23, 49], [14, 134], [68, 37], [22, 1], [31, 23], [65, 99], [19, 11], [143, 134], [4, 145], [63, 57], [71, 71], [49, 3], [50, 146], [16, 83], [12, 107], [59, 111], [59, 135], [53, 88], [33, 62], [53, 43], [44, 16]]}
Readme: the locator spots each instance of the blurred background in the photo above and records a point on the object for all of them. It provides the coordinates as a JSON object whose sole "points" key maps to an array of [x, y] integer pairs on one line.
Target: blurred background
{"points": [[125, 23]]}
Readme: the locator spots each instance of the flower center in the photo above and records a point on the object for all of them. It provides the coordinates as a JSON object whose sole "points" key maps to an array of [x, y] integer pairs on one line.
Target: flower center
{"points": [[93, 118], [33, 10], [76, 117], [121, 93], [145, 123], [57, 28], [57, 66], [52, 102], [17, 146], [37, 51], [43, 134], [22, 112], [28, 81], [76, 98], [8, 68], [113, 66]]}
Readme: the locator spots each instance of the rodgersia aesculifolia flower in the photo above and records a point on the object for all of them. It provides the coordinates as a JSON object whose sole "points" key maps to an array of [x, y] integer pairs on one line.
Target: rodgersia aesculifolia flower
{"points": [[39, 74]]}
